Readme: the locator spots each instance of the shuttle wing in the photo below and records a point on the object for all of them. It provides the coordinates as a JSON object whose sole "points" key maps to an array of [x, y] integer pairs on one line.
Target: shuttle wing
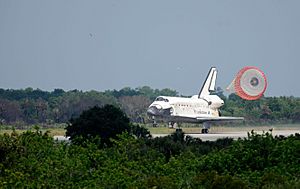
{"points": [[202, 119]]}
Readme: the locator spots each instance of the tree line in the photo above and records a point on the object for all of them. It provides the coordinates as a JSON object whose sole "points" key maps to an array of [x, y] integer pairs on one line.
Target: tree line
{"points": [[34, 106]]}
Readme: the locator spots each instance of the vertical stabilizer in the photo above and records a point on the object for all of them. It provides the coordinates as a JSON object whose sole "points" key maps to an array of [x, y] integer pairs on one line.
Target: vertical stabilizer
{"points": [[209, 84]]}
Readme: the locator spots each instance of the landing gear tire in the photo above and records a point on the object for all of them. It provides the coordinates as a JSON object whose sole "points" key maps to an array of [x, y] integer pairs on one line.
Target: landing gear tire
{"points": [[204, 131]]}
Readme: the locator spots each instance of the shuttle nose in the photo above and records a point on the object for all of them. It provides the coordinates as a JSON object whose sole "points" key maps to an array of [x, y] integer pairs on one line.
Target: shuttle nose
{"points": [[152, 111]]}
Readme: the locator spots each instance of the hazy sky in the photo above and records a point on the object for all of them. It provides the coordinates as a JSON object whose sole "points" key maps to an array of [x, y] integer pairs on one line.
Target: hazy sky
{"points": [[111, 44]]}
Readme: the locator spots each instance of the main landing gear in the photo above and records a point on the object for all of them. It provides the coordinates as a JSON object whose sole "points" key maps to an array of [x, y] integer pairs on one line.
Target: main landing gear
{"points": [[173, 125], [206, 127]]}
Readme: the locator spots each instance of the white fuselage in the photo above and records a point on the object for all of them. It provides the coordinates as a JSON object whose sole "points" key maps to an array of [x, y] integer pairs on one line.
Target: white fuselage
{"points": [[181, 109]]}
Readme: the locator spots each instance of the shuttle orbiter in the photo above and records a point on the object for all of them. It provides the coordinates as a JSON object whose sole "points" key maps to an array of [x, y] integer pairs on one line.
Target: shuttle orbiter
{"points": [[201, 108]]}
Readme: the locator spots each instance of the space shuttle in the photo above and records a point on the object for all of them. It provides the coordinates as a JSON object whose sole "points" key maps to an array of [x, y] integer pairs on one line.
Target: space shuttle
{"points": [[202, 108]]}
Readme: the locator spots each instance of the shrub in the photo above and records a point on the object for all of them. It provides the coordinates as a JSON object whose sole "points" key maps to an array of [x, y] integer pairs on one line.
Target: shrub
{"points": [[105, 122]]}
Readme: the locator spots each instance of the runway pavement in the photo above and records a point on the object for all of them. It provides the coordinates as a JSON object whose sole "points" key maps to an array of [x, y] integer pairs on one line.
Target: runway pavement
{"points": [[215, 136], [234, 135]]}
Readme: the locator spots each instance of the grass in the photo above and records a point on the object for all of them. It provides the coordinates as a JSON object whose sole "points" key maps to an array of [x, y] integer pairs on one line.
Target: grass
{"points": [[57, 129], [53, 131]]}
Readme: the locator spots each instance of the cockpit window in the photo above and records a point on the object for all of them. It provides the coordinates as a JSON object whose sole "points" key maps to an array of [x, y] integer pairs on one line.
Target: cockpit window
{"points": [[161, 99]]}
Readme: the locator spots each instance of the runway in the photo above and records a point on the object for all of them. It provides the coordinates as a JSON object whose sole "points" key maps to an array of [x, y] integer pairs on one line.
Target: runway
{"points": [[215, 136], [234, 135]]}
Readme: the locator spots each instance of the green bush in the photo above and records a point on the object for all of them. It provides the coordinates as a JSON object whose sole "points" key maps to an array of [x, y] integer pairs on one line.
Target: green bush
{"points": [[34, 160], [105, 122]]}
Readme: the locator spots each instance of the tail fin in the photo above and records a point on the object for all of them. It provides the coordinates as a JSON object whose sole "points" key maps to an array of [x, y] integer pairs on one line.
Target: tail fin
{"points": [[209, 84]]}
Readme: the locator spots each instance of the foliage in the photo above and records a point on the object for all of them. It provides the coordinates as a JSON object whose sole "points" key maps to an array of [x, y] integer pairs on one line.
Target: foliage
{"points": [[32, 106], [105, 122], [178, 142], [135, 107], [139, 131], [34, 160]]}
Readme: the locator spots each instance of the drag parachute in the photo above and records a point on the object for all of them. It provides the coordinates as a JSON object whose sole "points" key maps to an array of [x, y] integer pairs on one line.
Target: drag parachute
{"points": [[250, 83]]}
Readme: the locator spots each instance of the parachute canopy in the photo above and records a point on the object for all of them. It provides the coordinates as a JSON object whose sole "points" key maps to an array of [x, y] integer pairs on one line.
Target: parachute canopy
{"points": [[250, 83]]}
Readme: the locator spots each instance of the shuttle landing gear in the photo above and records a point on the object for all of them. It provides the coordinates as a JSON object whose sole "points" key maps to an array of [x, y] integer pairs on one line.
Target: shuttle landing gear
{"points": [[154, 123], [206, 127], [172, 125], [204, 131]]}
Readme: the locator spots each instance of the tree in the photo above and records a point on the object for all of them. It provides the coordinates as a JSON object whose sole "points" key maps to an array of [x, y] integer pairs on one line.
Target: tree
{"points": [[106, 122], [140, 132], [10, 111], [135, 107]]}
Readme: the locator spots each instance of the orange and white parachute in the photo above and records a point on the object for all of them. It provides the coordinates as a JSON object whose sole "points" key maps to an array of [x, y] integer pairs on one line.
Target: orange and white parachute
{"points": [[250, 83]]}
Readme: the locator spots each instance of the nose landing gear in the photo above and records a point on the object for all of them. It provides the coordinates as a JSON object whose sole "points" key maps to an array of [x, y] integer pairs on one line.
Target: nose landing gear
{"points": [[206, 127], [204, 131]]}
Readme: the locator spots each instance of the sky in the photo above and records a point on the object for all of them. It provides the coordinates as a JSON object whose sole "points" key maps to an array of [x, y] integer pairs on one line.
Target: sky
{"points": [[112, 44]]}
